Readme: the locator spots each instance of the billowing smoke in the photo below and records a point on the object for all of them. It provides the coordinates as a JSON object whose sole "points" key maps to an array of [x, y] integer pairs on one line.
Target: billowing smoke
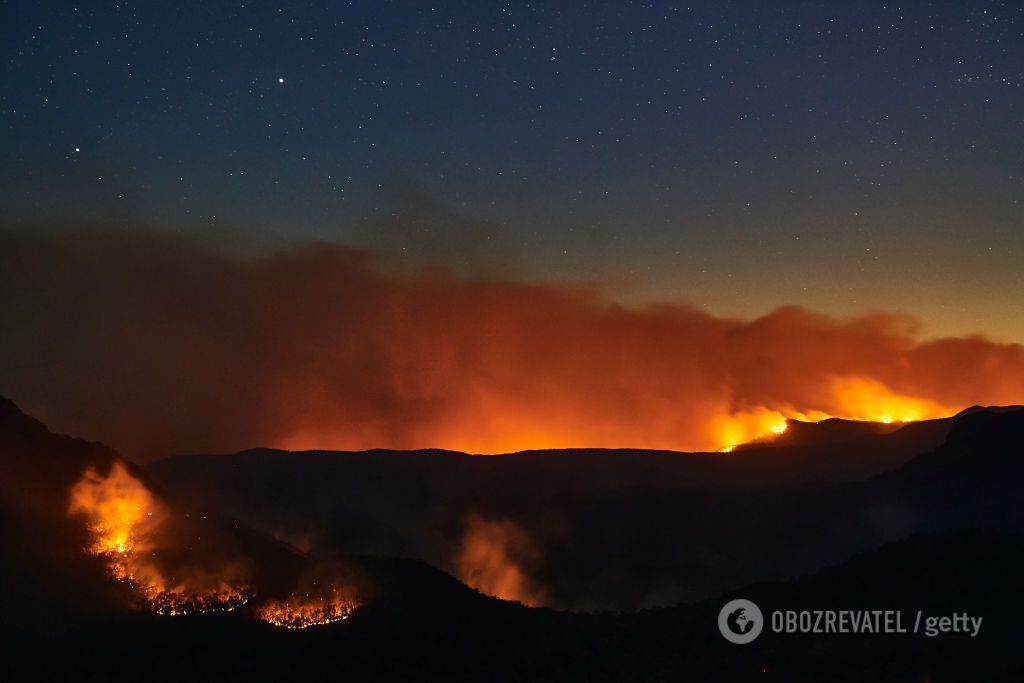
{"points": [[162, 344], [497, 558]]}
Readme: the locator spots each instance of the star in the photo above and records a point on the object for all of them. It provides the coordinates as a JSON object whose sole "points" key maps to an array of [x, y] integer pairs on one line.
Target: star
{"points": [[280, 80]]}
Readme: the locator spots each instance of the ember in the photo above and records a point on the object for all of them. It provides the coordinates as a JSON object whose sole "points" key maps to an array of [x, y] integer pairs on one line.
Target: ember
{"points": [[298, 612], [172, 604]]}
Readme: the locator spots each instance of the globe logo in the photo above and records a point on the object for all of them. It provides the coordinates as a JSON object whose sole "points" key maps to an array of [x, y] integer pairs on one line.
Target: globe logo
{"points": [[740, 621]]}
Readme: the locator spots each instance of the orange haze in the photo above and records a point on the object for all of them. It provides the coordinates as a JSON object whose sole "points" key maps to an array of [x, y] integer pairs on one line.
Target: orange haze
{"points": [[495, 558], [161, 345]]}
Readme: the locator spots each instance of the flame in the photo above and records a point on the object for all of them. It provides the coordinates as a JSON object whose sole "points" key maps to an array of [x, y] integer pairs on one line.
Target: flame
{"points": [[123, 518], [303, 611], [493, 559], [861, 398], [177, 602], [850, 398], [729, 431]]}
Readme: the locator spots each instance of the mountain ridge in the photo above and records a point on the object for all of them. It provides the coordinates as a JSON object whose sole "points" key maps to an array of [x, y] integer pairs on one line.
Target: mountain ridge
{"points": [[424, 624]]}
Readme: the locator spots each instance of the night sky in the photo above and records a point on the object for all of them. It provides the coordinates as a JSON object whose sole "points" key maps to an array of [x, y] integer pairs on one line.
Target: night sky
{"points": [[843, 156]]}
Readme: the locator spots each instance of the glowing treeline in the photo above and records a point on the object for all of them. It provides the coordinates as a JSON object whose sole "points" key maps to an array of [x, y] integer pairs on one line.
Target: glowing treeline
{"points": [[303, 610]]}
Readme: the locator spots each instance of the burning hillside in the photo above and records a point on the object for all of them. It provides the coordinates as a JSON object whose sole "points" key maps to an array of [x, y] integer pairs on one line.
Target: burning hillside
{"points": [[124, 520], [128, 530], [850, 398], [303, 611]]}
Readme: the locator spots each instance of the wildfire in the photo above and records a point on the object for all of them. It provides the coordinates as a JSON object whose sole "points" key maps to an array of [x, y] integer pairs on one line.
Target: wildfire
{"points": [[850, 398], [732, 430], [122, 516], [172, 604], [123, 519], [860, 398], [299, 612], [126, 525]]}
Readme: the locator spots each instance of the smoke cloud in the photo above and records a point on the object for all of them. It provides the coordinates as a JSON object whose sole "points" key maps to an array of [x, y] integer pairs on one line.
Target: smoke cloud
{"points": [[496, 557], [163, 344]]}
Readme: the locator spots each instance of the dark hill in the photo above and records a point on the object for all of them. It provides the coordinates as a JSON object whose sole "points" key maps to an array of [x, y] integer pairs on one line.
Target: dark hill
{"points": [[617, 528], [421, 624], [454, 635], [46, 574]]}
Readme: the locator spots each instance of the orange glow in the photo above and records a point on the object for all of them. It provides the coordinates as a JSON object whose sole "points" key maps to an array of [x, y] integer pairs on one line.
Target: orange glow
{"points": [[122, 513], [317, 348], [850, 398], [493, 559], [860, 398], [729, 431], [303, 611], [124, 519]]}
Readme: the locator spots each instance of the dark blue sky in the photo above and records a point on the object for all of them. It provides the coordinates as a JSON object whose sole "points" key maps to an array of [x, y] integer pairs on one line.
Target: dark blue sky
{"points": [[737, 155]]}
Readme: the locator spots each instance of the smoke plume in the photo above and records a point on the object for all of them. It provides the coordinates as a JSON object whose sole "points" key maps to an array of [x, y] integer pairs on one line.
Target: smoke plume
{"points": [[163, 344], [496, 558]]}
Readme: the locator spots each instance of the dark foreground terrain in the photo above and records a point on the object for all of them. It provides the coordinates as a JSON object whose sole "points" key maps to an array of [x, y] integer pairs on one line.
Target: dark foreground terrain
{"points": [[607, 530], [936, 530]]}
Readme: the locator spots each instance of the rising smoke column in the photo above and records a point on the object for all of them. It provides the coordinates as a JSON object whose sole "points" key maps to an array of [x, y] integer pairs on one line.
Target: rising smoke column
{"points": [[497, 557]]}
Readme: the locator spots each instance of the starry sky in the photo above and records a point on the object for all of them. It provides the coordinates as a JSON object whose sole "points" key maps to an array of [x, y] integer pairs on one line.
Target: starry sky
{"points": [[842, 155]]}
